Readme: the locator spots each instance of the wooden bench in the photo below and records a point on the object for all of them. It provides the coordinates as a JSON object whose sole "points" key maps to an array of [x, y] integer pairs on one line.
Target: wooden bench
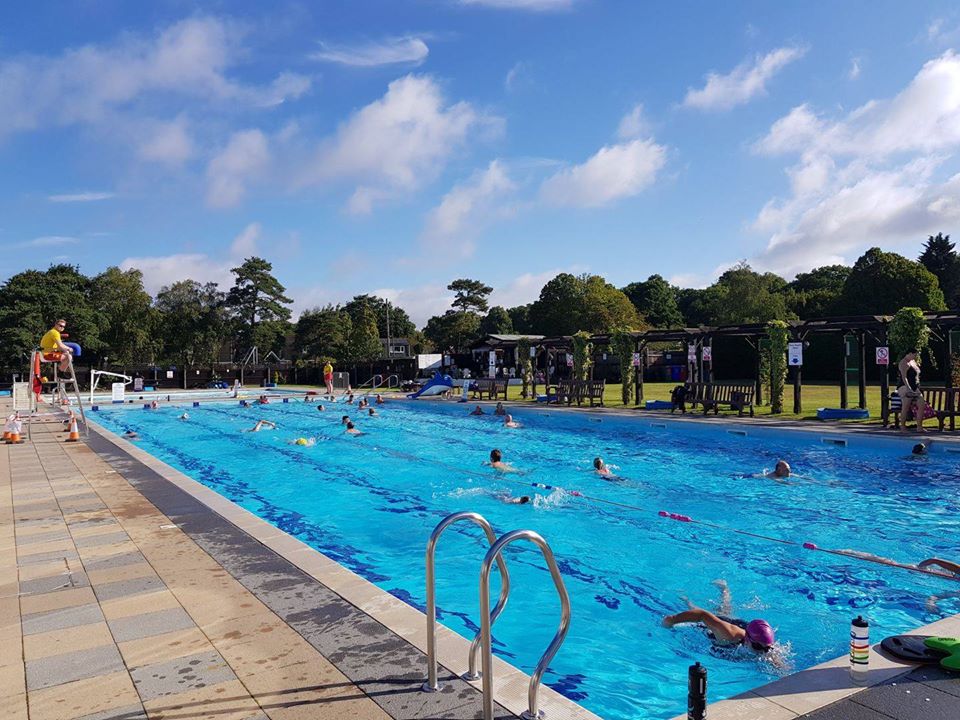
{"points": [[696, 394], [492, 388], [736, 396], [944, 402], [591, 390], [565, 391]]}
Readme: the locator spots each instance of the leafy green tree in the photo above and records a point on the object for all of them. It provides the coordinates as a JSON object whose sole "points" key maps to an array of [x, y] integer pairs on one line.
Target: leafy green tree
{"points": [[31, 301], [520, 319], [569, 303], [881, 283], [496, 322], [908, 331], [453, 331], [400, 323], [692, 305], [778, 335], [363, 341], [742, 295], [582, 354], [125, 314], [259, 305], [192, 322], [817, 293], [940, 258], [322, 333], [656, 302], [471, 295], [605, 307]]}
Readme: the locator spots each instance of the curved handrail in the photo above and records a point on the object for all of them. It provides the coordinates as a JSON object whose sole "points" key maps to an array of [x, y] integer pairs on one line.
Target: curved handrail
{"points": [[432, 685], [485, 627]]}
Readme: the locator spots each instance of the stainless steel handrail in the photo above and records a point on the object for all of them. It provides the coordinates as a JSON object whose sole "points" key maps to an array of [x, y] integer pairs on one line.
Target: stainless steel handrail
{"points": [[494, 553], [432, 685], [375, 384]]}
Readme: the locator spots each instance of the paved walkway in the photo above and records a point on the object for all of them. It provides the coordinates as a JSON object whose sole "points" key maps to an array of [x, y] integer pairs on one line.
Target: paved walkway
{"points": [[110, 610]]}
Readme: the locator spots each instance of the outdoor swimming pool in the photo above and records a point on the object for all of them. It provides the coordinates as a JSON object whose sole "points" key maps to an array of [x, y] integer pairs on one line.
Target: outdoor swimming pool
{"points": [[370, 503]]}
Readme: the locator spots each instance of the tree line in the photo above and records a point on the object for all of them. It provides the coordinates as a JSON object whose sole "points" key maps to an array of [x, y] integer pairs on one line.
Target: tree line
{"points": [[192, 323]]}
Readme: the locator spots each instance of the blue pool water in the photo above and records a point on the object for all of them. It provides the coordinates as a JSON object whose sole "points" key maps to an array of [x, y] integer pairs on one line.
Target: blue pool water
{"points": [[370, 502]]}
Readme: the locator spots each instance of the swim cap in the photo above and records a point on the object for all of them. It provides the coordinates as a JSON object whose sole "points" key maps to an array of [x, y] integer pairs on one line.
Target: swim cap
{"points": [[301, 441], [759, 632]]}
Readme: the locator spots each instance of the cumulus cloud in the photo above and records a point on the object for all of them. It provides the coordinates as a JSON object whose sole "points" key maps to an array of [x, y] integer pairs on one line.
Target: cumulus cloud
{"points": [[80, 197], [744, 82], [633, 124], [390, 51], [463, 211], [244, 157], [614, 172], [395, 144], [162, 270], [534, 5], [90, 83], [168, 143], [873, 176]]}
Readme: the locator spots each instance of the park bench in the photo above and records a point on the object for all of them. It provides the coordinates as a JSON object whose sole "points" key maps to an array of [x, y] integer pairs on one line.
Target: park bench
{"points": [[736, 396], [696, 394], [492, 388], [565, 391], [944, 403], [591, 390]]}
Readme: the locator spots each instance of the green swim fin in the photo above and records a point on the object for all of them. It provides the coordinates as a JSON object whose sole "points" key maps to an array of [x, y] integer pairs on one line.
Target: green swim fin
{"points": [[947, 645]]}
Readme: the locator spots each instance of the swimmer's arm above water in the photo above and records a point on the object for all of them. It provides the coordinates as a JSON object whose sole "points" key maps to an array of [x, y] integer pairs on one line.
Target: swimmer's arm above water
{"points": [[722, 629], [945, 564]]}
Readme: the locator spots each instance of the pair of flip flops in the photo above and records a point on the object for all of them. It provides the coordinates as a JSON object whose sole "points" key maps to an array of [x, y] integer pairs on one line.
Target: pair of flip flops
{"points": [[925, 650]]}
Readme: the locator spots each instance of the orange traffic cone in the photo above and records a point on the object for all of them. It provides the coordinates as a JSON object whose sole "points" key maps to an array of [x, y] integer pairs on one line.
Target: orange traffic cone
{"points": [[14, 439], [74, 432]]}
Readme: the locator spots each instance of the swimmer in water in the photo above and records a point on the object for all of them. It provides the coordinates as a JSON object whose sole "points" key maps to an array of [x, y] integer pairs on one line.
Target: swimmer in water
{"points": [[345, 419], [509, 422], [477, 411], [320, 407], [185, 416], [350, 399], [499, 410], [726, 632], [600, 467], [154, 405], [921, 449], [352, 429], [522, 500], [497, 463], [262, 424], [131, 435], [380, 399], [372, 413], [306, 442], [244, 404], [263, 400], [780, 472]]}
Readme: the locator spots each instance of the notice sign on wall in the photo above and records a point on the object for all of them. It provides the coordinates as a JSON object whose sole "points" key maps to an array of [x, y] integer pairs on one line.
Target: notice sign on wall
{"points": [[707, 353], [117, 391], [795, 354], [883, 356], [636, 359], [692, 352]]}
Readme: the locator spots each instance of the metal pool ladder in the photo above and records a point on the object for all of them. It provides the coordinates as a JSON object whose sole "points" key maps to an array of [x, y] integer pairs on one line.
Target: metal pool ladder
{"points": [[432, 685], [487, 618]]}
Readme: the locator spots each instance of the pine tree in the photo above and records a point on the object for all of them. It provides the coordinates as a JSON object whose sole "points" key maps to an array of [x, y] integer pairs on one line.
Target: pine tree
{"points": [[940, 258]]}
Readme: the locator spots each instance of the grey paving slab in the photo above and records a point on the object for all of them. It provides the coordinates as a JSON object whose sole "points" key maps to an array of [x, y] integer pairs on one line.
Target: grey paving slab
{"points": [[939, 679], [46, 557], [59, 669], [37, 538], [150, 624], [845, 710], [910, 701], [126, 588], [132, 712], [94, 522], [114, 561], [61, 619], [180, 675], [98, 540], [63, 581]]}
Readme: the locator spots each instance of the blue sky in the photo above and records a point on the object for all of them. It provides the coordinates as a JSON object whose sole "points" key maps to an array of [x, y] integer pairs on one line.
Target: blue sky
{"points": [[391, 146]]}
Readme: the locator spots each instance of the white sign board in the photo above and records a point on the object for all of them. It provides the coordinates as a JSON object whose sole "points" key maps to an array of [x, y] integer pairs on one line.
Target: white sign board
{"points": [[692, 352], [492, 363], [169, 374], [138, 384], [883, 356], [707, 353], [636, 359], [533, 352], [569, 360], [116, 392], [429, 361], [21, 396], [795, 354]]}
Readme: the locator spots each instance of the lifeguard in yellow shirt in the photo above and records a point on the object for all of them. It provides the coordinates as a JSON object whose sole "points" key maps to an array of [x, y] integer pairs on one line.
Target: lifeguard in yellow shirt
{"points": [[328, 378], [54, 348]]}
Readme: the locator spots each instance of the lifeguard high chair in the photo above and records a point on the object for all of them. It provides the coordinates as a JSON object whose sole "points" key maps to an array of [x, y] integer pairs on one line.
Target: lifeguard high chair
{"points": [[65, 391]]}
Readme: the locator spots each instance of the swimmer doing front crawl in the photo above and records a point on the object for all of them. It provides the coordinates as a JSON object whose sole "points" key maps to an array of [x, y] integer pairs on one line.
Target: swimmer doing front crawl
{"points": [[728, 634], [261, 424]]}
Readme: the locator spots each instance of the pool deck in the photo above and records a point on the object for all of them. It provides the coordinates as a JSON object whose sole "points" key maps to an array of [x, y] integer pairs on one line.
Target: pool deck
{"points": [[127, 590]]}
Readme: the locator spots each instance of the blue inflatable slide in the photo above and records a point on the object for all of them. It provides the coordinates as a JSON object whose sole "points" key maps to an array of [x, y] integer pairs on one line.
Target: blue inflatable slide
{"points": [[436, 385]]}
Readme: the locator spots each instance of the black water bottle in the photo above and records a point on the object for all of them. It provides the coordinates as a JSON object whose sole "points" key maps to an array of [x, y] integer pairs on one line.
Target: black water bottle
{"points": [[696, 692]]}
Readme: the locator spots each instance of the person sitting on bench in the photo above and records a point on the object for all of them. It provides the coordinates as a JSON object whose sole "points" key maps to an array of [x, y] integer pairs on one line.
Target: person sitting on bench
{"points": [[55, 349]]}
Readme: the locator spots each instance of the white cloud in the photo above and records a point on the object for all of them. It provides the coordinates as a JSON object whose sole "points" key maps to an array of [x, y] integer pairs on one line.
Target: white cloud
{"points": [[633, 124], [854, 71], [516, 76], [534, 5], [526, 288], [389, 51], [453, 224], [744, 82], [871, 177], [243, 158], [420, 303], [286, 86], [168, 143], [395, 144], [80, 197], [614, 172], [245, 244], [89, 84]]}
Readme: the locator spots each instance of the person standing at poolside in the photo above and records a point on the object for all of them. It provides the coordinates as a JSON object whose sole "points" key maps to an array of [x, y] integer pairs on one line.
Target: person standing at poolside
{"points": [[53, 347], [328, 378], [911, 396]]}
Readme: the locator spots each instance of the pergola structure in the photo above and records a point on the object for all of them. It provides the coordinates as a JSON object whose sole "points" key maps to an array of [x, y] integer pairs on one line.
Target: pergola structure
{"points": [[944, 326]]}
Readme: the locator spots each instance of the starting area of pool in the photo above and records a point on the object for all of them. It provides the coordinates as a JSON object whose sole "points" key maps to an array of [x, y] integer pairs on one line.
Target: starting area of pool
{"points": [[370, 502]]}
